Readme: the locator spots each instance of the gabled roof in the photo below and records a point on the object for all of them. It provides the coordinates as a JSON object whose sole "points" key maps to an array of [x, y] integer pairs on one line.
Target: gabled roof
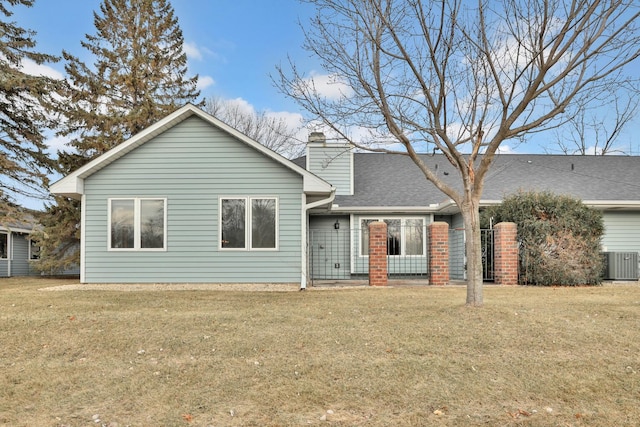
{"points": [[389, 182], [72, 185]]}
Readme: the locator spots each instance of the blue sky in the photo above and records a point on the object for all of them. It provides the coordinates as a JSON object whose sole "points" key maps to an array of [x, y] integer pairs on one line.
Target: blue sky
{"points": [[233, 45]]}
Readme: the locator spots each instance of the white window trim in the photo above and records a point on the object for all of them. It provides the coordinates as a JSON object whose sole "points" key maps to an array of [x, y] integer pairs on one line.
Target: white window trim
{"points": [[247, 222], [403, 220], [136, 225]]}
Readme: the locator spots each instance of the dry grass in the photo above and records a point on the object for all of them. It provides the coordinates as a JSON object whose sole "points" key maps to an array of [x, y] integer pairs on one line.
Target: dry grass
{"points": [[377, 357]]}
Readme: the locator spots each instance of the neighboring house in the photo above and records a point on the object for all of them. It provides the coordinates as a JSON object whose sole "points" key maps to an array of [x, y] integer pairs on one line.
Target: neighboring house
{"points": [[191, 199], [16, 248]]}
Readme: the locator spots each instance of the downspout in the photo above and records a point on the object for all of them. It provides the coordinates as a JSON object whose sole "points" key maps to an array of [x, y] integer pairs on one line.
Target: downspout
{"points": [[305, 235], [83, 237], [9, 251]]}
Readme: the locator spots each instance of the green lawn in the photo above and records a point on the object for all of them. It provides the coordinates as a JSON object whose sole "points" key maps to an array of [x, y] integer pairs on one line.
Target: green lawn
{"points": [[406, 356]]}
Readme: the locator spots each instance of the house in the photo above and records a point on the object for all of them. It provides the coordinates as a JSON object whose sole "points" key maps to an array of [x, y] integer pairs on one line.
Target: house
{"points": [[387, 187], [191, 199], [16, 248]]}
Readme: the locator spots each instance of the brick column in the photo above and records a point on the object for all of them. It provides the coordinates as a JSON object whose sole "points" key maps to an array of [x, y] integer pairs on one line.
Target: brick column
{"points": [[378, 254], [439, 253], [505, 256]]}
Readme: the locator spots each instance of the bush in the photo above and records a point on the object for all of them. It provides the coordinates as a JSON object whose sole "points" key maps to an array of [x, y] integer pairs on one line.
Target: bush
{"points": [[559, 238]]}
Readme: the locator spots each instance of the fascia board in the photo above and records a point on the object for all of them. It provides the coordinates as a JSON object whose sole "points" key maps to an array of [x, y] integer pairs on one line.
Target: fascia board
{"points": [[15, 230], [372, 209], [613, 204]]}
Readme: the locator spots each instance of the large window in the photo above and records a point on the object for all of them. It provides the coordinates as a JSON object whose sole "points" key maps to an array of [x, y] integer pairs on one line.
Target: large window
{"points": [[137, 224], [249, 223], [405, 236], [4, 246]]}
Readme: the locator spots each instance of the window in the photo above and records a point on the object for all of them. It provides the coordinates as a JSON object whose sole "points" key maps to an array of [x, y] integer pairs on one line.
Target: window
{"points": [[34, 250], [249, 223], [4, 246], [405, 236], [137, 224]]}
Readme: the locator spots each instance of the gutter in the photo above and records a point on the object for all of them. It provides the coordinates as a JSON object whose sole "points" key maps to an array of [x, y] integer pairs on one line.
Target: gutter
{"points": [[305, 235], [433, 208]]}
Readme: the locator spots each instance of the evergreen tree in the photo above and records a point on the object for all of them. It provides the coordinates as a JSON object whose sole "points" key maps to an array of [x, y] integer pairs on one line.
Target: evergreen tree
{"points": [[138, 77], [24, 100]]}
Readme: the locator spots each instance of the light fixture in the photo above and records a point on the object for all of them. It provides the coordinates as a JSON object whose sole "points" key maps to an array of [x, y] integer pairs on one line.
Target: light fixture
{"points": [[337, 225]]}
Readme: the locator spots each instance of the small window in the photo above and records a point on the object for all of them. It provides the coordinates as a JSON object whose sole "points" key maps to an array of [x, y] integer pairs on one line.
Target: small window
{"points": [[248, 223], [34, 250], [4, 246], [137, 224]]}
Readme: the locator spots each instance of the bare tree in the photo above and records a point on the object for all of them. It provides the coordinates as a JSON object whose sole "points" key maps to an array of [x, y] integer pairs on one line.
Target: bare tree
{"points": [[461, 78], [269, 130], [596, 129]]}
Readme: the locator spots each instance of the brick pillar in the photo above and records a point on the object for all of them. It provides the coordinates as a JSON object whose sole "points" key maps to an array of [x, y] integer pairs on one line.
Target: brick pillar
{"points": [[505, 256], [439, 253], [378, 254]]}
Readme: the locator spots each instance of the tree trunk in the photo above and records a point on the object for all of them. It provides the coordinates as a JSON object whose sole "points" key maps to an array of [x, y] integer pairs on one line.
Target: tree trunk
{"points": [[471, 217]]}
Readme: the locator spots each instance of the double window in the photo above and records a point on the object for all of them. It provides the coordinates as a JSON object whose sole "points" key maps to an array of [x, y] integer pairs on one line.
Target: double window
{"points": [[138, 224], [249, 223], [405, 236]]}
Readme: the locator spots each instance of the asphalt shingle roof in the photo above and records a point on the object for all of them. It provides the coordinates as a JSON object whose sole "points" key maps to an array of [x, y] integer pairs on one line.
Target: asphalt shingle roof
{"points": [[388, 180]]}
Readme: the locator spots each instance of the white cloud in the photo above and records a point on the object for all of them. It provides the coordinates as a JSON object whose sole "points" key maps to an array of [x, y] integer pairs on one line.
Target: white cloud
{"points": [[204, 82], [192, 51], [293, 120], [327, 85], [240, 105], [34, 69], [505, 149]]}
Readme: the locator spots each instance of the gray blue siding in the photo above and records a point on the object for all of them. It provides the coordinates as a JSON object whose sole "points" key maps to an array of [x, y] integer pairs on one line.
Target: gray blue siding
{"points": [[622, 232], [20, 255], [192, 165], [333, 163]]}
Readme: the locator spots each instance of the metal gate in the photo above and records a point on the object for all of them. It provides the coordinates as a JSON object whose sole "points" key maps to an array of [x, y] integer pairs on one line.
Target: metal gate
{"points": [[458, 257], [330, 254], [487, 245], [344, 254]]}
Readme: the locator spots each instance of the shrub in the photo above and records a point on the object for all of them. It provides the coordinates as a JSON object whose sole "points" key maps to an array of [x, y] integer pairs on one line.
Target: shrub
{"points": [[559, 238]]}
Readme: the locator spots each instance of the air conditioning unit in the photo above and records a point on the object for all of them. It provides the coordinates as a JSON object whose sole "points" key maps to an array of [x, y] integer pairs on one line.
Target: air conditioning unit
{"points": [[620, 266]]}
